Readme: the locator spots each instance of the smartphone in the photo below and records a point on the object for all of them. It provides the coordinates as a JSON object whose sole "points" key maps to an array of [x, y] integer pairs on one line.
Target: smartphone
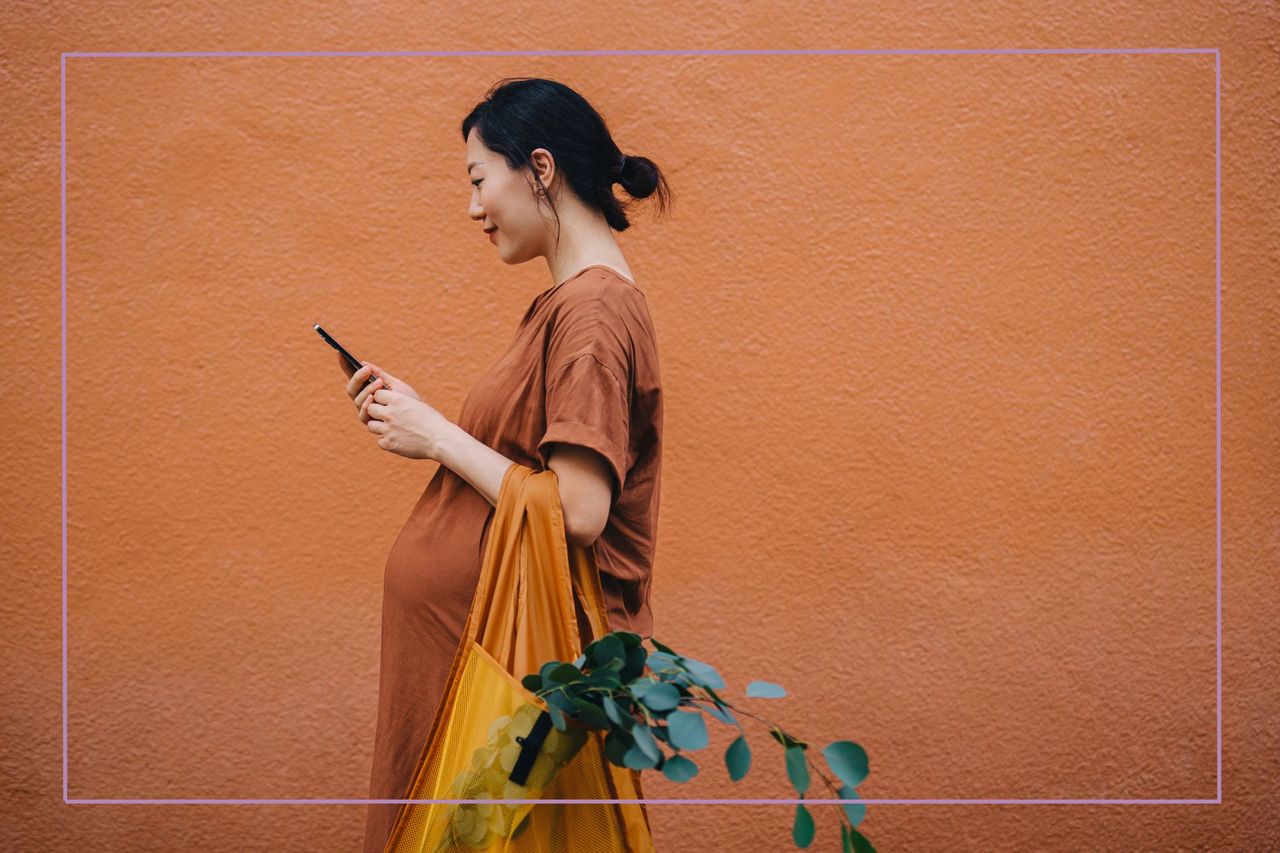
{"points": [[351, 360]]}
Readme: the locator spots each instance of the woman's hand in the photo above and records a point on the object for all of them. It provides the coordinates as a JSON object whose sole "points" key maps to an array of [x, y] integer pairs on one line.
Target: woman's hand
{"points": [[357, 390], [393, 411], [405, 425]]}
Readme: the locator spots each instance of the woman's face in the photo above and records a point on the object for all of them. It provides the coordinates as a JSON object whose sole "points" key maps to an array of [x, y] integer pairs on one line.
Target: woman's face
{"points": [[504, 198]]}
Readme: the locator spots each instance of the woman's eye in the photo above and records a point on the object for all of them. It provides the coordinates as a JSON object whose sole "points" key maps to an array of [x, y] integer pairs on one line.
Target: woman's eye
{"points": [[476, 183]]}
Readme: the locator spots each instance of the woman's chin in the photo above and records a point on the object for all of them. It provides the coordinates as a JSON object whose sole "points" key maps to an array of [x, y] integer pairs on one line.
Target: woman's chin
{"points": [[510, 259]]}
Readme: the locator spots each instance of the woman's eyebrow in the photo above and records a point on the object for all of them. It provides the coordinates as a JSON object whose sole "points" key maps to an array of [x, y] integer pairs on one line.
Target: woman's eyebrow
{"points": [[476, 163]]}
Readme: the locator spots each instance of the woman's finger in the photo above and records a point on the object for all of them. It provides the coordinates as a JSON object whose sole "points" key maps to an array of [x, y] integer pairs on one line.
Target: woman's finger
{"points": [[346, 365], [366, 391], [365, 406], [357, 379]]}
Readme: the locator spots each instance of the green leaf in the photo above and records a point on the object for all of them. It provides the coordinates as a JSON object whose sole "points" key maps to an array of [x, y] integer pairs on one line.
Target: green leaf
{"points": [[603, 678], [612, 711], [846, 844], [705, 674], [576, 688], [625, 710], [683, 680], [547, 669], [661, 697], [765, 690], [738, 758], [679, 769], [590, 714], [566, 672], [636, 657], [847, 760], [644, 740], [628, 638], [659, 717], [641, 686], [663, 648], [860, 842], [557, 718], [607, 648], [687, 729], [660, 660], [802, 829], [855, 812], [616, 746], [532, 682], [637, 759], [560, 702], [797, 769]]}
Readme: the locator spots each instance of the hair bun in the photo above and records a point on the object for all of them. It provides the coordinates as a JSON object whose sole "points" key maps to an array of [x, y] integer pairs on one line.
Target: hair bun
{"points": [[638, 176]]}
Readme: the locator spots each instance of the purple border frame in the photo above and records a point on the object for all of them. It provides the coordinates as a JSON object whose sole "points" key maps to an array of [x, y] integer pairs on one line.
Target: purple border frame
{"points": [[1217, 59]]}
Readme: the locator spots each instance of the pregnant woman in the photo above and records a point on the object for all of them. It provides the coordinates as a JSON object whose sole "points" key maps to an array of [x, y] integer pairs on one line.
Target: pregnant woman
{"points": [[577, 391]]}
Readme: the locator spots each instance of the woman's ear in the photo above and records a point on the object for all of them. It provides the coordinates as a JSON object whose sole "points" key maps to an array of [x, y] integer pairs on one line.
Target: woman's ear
{"points": [[544, 166]]}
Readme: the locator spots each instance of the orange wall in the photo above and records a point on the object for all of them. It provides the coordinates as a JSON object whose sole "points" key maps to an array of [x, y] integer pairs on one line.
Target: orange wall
{"points": [[938, 342]]}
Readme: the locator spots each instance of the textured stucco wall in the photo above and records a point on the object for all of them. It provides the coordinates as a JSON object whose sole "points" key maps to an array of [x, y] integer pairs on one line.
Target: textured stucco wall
{"points": [[938, 341]]}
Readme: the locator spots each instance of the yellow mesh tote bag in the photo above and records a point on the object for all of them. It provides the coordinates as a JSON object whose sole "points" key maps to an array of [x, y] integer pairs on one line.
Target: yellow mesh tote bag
{"points": [[491, 738]]}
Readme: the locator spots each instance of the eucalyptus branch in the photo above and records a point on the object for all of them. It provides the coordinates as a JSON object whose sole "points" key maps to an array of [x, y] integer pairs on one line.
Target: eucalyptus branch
{"points": [[650, 687], [826, 780]]}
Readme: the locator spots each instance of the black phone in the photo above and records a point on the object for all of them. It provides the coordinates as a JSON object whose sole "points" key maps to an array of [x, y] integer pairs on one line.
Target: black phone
{"points": [[351, 360]]}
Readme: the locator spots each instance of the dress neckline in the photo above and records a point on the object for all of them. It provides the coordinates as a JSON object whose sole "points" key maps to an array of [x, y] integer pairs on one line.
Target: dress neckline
{"points": [[597, 266], [537, 300]]}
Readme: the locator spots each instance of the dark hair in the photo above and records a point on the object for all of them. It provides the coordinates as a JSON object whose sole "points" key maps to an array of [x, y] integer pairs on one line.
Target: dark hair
{"points": [[519, 114]]}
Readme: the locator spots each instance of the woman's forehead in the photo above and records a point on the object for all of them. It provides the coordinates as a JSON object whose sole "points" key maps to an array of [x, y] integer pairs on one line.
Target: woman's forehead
{"points": [[475, 148]]}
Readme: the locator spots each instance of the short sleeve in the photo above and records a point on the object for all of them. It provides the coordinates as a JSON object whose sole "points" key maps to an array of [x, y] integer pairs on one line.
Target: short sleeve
{"points": [[588, 370], [587, 406]]}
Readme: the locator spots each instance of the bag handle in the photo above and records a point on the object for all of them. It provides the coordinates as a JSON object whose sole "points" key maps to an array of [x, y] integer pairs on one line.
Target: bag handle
{"points": [[528, 525], [545, 511]]}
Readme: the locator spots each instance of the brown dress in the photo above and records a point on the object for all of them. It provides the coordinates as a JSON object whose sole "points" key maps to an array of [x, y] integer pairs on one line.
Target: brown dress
{"points": [[582, 369]]}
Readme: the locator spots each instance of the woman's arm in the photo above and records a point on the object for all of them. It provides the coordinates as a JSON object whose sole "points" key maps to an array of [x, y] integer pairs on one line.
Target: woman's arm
{"points": [[584, 476]]}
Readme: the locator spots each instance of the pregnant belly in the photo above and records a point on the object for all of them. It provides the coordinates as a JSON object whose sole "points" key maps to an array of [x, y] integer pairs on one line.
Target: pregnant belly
{"points": [[434, 565]]}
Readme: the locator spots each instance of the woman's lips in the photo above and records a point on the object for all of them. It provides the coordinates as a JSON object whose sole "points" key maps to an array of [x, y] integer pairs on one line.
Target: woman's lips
{"points": [[493, 236]]}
